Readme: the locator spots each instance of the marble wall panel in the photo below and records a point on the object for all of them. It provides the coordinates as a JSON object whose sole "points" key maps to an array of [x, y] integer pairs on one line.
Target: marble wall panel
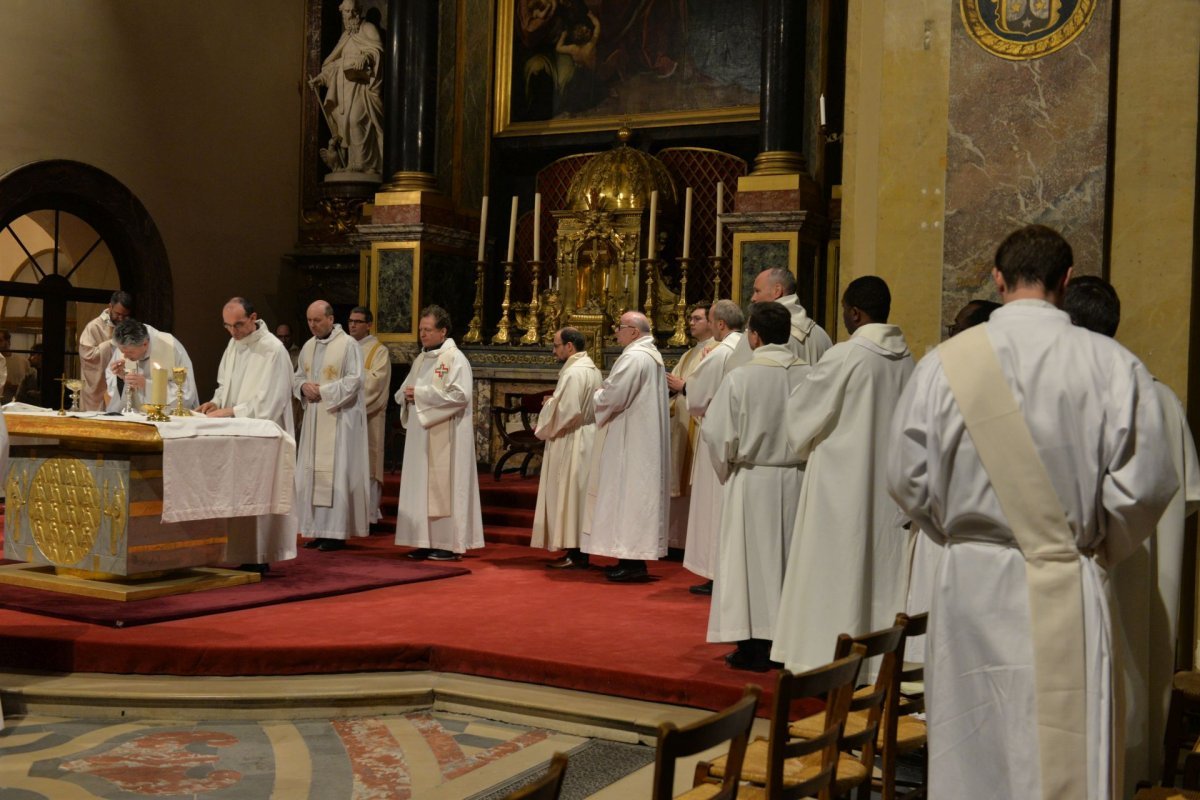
{"points": [[449, 280], [472, 112], [757, 256], [446, 92], [1028, 143], [395, 292]]}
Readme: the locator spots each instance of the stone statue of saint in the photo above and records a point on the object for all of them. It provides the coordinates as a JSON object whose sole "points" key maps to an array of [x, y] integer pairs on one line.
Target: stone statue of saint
{"points": [[353, 105]]}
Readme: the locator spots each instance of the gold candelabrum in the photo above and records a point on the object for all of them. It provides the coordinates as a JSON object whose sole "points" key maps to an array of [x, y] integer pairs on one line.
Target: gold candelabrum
{"points": [[179, 376], [717, 263], [502, 335], [651, 266], [474, 333], [531, 333], [154, 412], [680, 337]]}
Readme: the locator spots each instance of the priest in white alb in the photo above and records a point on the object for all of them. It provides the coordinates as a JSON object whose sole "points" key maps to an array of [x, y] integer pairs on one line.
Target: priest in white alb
{"points": [[254, 381], [627, 508], [139, 349], [685, 429], [1034, 450], [332, 474], [762, 479], [808, 340], [377, 378], [567, 424], [704, 512], [848, 567], [95, 350], [439, 512]]}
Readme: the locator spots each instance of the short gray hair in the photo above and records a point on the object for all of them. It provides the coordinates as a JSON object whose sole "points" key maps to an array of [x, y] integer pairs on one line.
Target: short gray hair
{"points": [[130, 333], [783, 278], [728, 312], [640, 322]]}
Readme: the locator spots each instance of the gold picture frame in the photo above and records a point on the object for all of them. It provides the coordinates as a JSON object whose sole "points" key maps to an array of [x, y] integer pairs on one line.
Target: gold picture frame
{"points": [[504, 125], [388, 319], [791, 239]]}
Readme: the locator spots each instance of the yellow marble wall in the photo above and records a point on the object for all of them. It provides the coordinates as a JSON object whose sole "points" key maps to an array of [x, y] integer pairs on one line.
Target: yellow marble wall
{"points": [[1154, 181]]}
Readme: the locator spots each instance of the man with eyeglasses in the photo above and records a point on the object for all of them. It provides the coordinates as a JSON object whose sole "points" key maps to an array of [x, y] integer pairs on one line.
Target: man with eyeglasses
{"points": [[95, 350], [627, 510], [139, 348], [685, 429], [254, 381], [377, 378]]}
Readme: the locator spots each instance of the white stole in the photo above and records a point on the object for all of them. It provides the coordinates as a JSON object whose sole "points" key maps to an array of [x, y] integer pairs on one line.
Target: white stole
{"points": [[438, 452], [325, 425]]}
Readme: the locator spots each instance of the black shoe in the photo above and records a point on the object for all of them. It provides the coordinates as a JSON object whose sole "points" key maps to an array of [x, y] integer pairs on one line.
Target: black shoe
{"points": [[744, 659], [573, 559], [312, 544], [261, 569], [329, 545], [702, 588], [420, 554], [444, 555], [628, 573]]}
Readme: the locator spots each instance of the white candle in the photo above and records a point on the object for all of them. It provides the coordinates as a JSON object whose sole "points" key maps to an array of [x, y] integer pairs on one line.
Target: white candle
{"points": [[720, 211], [650, 246], [482, 228], [822, 103], [158, 386], [687, 223], [537, 227], [512, 229], [627, 281]]}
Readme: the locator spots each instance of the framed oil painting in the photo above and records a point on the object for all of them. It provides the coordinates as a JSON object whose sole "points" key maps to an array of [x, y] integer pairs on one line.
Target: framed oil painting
{"points": [[581, 65]]}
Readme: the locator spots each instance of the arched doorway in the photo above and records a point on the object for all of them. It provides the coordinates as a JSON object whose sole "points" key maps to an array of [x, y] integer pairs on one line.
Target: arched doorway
{"points": [[71, 234]]}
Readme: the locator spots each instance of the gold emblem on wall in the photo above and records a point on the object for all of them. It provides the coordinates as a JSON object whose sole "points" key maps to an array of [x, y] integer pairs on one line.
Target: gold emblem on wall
{"points": [[1020, 30], [64, 510]]}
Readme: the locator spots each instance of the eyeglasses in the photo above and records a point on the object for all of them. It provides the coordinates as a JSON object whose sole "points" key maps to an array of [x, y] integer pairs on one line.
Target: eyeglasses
{"points": [[617, 328], [354, 321]]}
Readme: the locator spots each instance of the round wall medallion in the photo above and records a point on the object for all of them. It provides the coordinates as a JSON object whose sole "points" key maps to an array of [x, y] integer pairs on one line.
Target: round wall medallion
{"points": [[1020, 30], [64, 510]]}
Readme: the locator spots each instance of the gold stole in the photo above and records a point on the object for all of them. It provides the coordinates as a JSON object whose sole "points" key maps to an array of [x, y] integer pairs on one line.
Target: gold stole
{"points": [[1053, 573], [325, 423]]}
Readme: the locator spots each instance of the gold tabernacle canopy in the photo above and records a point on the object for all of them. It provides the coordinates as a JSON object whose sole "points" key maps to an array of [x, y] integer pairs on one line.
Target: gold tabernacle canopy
{"points": [[622, 178]]}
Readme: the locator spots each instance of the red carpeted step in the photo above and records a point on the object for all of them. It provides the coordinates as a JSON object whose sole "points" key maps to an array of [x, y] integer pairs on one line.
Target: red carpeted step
{"points": [[505, 534], [515, 517]]}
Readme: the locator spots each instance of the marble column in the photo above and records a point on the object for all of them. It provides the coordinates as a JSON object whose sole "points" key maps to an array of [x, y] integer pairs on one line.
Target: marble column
{"points": [[411, 104], [782, 93]]}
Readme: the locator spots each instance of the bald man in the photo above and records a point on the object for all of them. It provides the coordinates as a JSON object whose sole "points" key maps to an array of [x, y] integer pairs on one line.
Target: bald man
{"points": [[808, 340]]}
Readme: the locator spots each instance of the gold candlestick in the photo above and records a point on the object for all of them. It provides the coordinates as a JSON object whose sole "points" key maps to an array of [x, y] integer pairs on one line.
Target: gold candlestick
{"points": [[62, 396], [717, 263], [531, 333], [474, 333], [680, 337], [179, 376], [154, 412], [502, 335]]}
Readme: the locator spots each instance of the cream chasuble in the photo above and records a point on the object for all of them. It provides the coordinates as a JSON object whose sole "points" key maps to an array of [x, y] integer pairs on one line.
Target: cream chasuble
{"points": [[95, 351], [627, 508], [166, 351], [332, 492], [439, 483], [567, 423], [809, 341], [685, 434], [377, 379], [1097, 426], [848, 566], [762, 478]]}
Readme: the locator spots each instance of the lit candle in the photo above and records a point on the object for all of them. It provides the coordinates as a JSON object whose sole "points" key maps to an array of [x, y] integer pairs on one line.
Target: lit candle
{"points": [[158, 386], [687, 223], [482, 228], [720, 211], [537, 227], [512, 229], [822, 103], [650, 246]]}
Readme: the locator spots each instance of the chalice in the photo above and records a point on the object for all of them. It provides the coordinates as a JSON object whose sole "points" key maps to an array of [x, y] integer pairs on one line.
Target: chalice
{"points": [[74, 386], [179, 376]]}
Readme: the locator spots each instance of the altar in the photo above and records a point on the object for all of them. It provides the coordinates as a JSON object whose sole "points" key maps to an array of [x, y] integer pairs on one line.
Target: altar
{"points": [[115, 506]]}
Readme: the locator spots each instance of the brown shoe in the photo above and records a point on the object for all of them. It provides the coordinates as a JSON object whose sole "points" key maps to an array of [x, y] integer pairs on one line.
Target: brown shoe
{"points": [[566, 562]]}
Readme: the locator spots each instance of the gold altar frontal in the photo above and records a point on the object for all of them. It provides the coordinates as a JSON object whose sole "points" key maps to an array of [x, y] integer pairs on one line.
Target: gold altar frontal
{"points": [[83, 510]]}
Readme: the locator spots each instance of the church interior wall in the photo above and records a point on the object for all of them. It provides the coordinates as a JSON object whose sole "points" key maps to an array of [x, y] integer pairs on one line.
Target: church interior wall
{"points": [[195, 108]]}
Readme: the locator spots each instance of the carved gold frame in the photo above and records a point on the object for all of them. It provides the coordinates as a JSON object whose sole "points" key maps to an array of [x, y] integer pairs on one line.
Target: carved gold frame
{"points": [[793, 243], [373, 296]]}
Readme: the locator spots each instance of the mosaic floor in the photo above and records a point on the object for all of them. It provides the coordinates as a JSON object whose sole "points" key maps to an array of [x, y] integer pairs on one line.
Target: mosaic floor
{"points": [[426, 754]]}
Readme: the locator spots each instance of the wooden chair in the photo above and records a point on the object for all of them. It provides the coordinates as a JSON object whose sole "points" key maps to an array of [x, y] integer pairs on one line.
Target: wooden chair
{"points": [[785, 768], [517, 442], [549, 786], [903, 731], [731, 725], [1185, 701], [867, 708]]}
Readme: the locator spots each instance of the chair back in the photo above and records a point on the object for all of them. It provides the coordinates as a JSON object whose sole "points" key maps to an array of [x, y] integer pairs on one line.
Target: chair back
{"points": [[549, 786], [730, 725], [872, 703], [835, 683], [913, 703]]}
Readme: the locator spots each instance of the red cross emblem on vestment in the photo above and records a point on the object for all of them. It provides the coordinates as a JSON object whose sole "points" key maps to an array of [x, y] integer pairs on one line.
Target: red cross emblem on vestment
{"points": [[441, 370]]}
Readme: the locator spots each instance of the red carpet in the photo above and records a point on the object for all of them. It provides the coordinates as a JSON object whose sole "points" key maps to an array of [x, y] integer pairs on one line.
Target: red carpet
{"points": [[510, 618], [308, 576]]}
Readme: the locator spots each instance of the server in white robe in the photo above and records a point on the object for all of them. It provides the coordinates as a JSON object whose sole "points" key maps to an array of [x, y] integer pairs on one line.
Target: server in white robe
{"points": [[95, 350], [808, 340], [1018, 681], [439, 512], [567, 424], [138, 349], [704, 511], [332, 474], [1147, 585], [627, 508], [685, 429], [377, 379], [762, 478], [847, 570], [254, 380]]}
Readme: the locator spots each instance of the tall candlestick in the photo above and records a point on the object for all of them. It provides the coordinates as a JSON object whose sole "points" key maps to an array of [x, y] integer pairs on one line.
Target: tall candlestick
{"points": [[158, 386], [512, 229], [687, 222], [482, 228], [537, 227], [720, 211], [651, 246]]}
